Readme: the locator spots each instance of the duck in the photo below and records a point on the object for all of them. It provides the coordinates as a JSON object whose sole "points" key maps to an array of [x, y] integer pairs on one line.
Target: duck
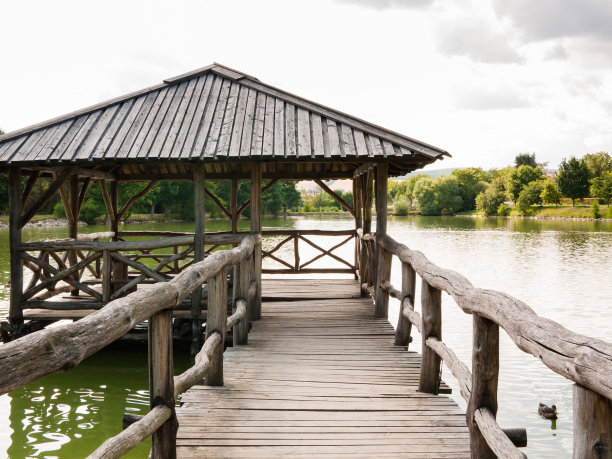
{"points": [[547, 412]]}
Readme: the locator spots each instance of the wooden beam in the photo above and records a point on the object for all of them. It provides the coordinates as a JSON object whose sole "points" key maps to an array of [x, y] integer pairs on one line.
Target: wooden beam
{"points": [[234, 205], [83, 192], [107, 202], [218, 203], [431, 307], [382, 176], [79, 171], [28, 188], [199, 191], [365, 167], [134, 198], [14, 189], [255, 311], [216, 321], [333, 194], [44, 198]]}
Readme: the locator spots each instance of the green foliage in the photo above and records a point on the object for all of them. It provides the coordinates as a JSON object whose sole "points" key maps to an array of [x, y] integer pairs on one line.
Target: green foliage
{"points": [[601, 187], [503, 210], [490, 200], [397, 189], [595, 210], [525, 159], [289, 196], [401, 208], [438, 196], [550, 194], [530, 195], [89, 213], [472, 181], [573, 179], [520, 177], [59, 211], [598, 163]]}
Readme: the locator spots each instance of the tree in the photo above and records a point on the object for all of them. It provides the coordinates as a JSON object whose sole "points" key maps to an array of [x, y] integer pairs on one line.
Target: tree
{"points": [[601, 187], [573, 179], [289, 196], [530, 195], [598, 163], [525, 159], [550, 194], [438, 196], [488, 201], [520, 177], [472, 181]]}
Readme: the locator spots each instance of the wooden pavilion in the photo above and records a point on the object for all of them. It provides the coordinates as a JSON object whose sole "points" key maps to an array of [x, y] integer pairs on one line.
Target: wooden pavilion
{"points": [[214, 123]]}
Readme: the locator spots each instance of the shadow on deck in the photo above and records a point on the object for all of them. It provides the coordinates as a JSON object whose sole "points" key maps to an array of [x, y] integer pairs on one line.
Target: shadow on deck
{"points": [[320, 376]]}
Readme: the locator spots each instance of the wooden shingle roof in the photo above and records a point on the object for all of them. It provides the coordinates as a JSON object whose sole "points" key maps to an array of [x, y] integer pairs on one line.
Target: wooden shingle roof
{"points": [[213, 114]]}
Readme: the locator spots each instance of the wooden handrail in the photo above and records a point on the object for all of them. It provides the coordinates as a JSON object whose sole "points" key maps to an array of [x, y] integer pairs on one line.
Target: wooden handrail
{"points": [[579, 358], [61, 348], [586, 361]]}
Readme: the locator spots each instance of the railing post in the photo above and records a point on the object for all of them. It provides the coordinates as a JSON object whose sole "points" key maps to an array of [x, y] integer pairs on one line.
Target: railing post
{"points": [[485, 372], [592, 424], [431, 310], [296, 251], [383, 273], [161, 382], [15, 210], [106, 275], [216, 321], [404, 326], [242, 282]]}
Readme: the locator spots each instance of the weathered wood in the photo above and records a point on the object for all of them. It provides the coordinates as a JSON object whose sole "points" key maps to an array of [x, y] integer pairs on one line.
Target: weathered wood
{"points": [[326, 252], [161, 383], [234, 205], [404, 326], [296, 252], [431, 309], [106, 275], [139, 266], [366, 190], [335, 196], [199, 191], [71, 343], [382, 176], [198, 371], [14, 190], [585, 360], [28, 187], [255, 310], [243, 281], [135, 198], [358, 225], [129, 419], [592, 424], [44, 197], [216, 321], [459, 370], [238, 316], [383, 272], [308, 271], [107, 203], [497, 441], [485, 373], [133, 435]]}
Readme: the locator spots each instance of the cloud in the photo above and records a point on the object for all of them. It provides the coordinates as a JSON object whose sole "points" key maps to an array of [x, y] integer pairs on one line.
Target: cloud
{"points": [[490, 99], [390, 4], [478, 40], [556, 52], [549, 19]]}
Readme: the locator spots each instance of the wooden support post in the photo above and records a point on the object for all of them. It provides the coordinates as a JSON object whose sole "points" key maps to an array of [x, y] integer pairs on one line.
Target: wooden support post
{"points": [[106, 275], [366, 193], [358, 225], [73, 225], [485, 372], [256, 228], [404, 326], [431, 305], [199, 193], [383, 258], [592, 424], [161, 382], [14, 190], [216, 321], [234, 205], [243, 282], [296, 251]]}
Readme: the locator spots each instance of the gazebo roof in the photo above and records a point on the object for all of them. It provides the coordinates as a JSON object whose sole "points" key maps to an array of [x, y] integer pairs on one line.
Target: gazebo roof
{"points": [[218, 116]]}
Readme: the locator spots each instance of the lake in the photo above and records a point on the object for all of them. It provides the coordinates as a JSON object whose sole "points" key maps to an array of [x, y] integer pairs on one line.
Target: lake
{"points": [[562, 269]]}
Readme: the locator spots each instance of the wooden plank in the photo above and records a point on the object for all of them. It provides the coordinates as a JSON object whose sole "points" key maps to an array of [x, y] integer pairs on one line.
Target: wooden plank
{"points": [[319, 376], [258, 125], [195, 127], [318, 147], [279, 128], [109, 134], [170, 149], [303, 133], [212, 140], [161, 134], [268, 135], [247, 129], [334, 139], [227, 126], [241, 109], [290, 131]]}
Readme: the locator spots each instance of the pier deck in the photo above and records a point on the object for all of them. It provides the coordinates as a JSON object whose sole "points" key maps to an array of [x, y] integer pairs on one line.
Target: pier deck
{"points": [[319, 377]]}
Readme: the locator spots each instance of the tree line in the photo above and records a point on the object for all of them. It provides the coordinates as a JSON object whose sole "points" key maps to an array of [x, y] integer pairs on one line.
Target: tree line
{"points": [[525, 184]]}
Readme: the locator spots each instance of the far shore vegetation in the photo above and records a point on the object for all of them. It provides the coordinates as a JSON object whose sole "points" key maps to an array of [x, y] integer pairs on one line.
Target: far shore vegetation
{"points": [[581, 188]]}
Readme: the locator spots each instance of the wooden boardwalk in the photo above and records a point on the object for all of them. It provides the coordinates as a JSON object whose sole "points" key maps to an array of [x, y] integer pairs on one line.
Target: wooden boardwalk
{"points": [[320, 377]]}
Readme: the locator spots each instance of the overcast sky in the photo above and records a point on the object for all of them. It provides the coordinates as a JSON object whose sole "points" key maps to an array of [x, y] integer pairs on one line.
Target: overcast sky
{"points": [[483, 79]]}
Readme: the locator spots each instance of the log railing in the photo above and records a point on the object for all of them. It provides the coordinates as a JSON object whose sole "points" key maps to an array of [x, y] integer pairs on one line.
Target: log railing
{"points": [[61, 348], [106, 271], [581, 359], [296, 264]]}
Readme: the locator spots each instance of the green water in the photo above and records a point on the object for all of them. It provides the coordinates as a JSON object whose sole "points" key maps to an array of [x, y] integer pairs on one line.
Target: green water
{"points": [[562, 269]]}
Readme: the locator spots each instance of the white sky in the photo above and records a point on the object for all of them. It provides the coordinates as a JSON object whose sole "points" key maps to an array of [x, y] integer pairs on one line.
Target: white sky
{"points": [[483, 79]]}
